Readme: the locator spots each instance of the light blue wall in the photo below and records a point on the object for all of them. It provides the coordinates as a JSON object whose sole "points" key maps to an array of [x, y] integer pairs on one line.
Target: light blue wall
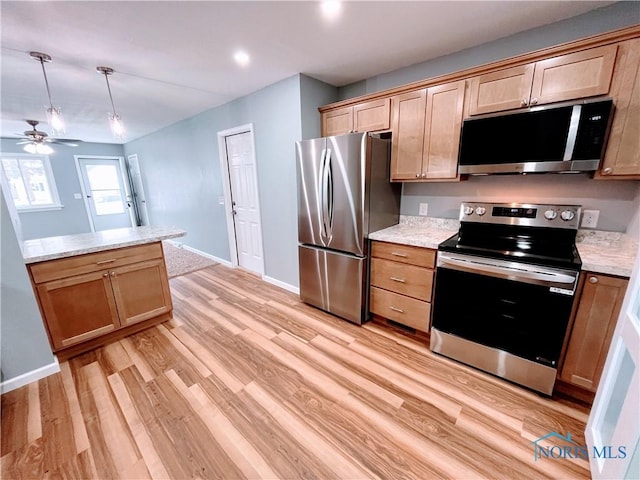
{"points": [[72, 218], [23, 341], [613, 17], [181, 168], [314, 93]]}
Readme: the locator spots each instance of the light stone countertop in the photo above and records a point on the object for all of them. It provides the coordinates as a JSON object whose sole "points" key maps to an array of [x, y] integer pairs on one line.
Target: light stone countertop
{"points": [[611, 253], [418, 231], [51, 248]]}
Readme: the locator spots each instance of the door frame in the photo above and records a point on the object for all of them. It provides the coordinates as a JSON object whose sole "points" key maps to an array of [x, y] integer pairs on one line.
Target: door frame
{"points": [[226, 188], [125, 182]]}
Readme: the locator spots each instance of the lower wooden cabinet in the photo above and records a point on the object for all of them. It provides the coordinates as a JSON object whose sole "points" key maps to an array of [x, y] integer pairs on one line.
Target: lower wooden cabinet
{"points": [[88, 297], [596, 316], [402, 283]]}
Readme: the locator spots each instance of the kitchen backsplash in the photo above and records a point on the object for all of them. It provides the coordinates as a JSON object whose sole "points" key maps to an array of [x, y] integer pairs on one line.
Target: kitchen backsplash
{"points": [[618, 201]]}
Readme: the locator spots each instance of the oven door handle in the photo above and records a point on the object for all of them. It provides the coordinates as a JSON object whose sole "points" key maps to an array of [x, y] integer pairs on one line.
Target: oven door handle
{"points": [[539, 275]]}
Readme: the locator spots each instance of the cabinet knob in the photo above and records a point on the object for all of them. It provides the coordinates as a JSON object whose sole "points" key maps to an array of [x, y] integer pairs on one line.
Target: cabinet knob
{"points": [[607, 171], [424, 175], [525, 102], [105, 274], [417, 175], [113, 274], [593, 279], [534, 101]]}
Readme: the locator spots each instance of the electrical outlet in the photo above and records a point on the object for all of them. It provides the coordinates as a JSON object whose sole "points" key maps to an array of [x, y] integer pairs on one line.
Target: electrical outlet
{"points": [[590, 218], [424, 209]]}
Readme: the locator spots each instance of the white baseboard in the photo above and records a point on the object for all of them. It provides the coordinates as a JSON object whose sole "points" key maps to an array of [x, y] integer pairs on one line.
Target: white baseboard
{"points": [[204, 254], [199, 252], [281, 284], [32, 376]]}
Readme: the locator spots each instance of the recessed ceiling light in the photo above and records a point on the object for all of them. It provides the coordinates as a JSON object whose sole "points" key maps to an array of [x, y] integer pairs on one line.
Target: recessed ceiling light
{"points": [[331, 9], [242, 58]]}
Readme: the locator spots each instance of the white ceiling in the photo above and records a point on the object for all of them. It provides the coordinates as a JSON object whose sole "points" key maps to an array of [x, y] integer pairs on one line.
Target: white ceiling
{"points": [[174, 59]]}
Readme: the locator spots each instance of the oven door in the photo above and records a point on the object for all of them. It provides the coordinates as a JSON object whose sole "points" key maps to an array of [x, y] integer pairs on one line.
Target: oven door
{"points": [[510, 308]]}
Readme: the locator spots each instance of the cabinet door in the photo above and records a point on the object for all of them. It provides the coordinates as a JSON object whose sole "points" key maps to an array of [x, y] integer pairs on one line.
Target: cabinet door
{"points": [[443, 123], [407, 126], [141, 291], [78, 308], [623, 148], [593, 328], [337, 122], [502, 90], [576, 75], [371, 116]]}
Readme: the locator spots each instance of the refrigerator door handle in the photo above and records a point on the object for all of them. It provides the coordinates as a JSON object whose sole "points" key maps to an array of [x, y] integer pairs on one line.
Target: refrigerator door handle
{"points": [[326, 192]]}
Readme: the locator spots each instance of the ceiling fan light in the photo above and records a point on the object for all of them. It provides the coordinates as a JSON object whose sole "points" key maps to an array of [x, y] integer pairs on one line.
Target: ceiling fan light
{"points": [[30, 148], [43, 149], [55, 120], [117, 127]]}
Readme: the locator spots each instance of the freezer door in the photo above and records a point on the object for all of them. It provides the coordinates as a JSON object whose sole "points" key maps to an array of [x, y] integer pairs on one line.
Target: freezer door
{"points": [[334, 282], [331, 178]]}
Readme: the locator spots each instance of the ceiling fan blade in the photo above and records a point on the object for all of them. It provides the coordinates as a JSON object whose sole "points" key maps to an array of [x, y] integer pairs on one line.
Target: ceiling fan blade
{"points": [[23, 142], [70, 142]]}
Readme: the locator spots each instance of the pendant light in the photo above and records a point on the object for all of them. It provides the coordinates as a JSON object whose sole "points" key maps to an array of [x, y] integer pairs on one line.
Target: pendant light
{"points": [[117, 127], [54, 116]]}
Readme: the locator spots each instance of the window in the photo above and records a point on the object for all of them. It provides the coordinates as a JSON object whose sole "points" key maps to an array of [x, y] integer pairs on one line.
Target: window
{"points": [[31, 182]]}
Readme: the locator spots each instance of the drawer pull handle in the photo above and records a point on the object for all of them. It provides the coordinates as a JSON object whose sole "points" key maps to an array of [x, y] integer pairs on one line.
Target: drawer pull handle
{"points": [[396, 279], [102, 262], [396, 254], [396, 309]]}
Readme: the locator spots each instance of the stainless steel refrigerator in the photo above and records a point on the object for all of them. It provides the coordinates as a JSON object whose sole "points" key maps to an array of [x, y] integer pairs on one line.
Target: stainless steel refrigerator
{"points": [[344, 193]]}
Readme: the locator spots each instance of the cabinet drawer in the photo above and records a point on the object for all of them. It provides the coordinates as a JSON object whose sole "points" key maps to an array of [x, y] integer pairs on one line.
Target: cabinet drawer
{"points": [[93, 262], [422, 257], [398, 277], [405, 310]]}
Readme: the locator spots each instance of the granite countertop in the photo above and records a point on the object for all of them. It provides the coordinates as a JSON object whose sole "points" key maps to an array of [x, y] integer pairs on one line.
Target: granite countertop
{"points": [[611, 253], [418, 231], [51, 248]]}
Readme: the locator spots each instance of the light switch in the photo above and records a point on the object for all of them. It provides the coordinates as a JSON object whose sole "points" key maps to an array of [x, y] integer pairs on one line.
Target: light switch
{"points": [[77, 196], [424, 209]]}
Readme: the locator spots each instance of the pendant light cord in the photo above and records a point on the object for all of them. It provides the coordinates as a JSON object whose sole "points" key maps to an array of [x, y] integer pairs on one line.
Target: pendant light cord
{"points": [[46, 82]]}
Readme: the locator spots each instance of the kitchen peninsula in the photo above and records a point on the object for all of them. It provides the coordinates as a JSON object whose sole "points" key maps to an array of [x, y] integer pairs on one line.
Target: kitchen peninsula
{"points": [[93, 288]]}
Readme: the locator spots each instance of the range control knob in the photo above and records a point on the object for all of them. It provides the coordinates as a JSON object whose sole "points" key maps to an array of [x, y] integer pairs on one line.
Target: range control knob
{"points": [[550, 214], [567, 215], [481, 211], [468, 210]]}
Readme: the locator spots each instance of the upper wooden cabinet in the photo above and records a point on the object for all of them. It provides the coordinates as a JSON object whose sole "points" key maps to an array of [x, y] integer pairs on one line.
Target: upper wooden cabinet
{"points": [[598, 309], [425, 126], [622, 157], [364, 117], [580, 74]]}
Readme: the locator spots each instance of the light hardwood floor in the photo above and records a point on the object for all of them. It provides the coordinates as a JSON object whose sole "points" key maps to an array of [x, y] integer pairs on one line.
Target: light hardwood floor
{"points": [[247, 382]]}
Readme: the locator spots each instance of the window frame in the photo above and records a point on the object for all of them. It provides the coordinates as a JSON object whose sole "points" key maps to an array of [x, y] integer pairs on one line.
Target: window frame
{"points": [[48, 173]]}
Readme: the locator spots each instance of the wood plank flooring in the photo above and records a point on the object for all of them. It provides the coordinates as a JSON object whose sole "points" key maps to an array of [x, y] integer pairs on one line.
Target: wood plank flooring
{"points": [[247, 382]]}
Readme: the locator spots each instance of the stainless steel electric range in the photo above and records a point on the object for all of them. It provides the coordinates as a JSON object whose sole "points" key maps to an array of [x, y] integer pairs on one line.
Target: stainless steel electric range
{"points": [[505, 285]]}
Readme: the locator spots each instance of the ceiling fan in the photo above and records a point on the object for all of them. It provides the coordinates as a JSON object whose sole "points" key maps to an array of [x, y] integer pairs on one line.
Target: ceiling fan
{"points": [[36, 141]]}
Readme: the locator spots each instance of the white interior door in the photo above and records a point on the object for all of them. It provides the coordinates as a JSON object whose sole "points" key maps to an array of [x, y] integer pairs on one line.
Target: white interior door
{"points": [[613, 428], [105, 192], [137, 189], [244, 200]]}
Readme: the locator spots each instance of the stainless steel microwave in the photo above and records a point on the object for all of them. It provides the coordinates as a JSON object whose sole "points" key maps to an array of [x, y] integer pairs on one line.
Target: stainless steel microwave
{"points": [[555, 138]]}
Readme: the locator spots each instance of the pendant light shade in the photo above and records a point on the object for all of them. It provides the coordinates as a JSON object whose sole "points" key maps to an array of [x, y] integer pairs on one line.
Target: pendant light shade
{"points": [[54, 115], [115, 122]]}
